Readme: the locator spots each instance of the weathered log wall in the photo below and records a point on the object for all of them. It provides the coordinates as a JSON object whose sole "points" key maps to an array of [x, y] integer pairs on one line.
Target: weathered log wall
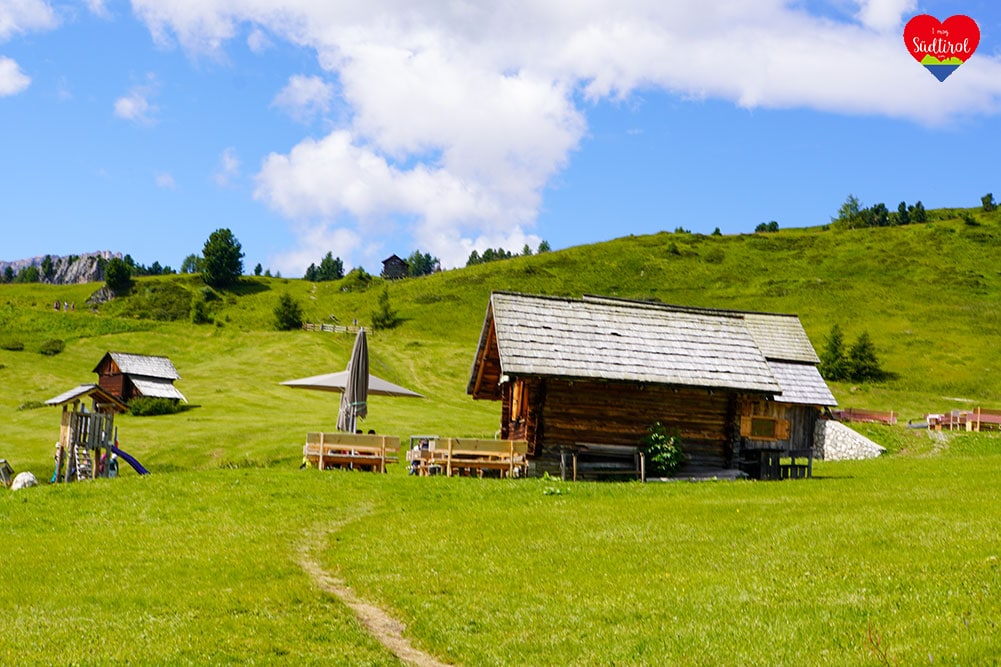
{"points": [[801, 421], [612, 413]]}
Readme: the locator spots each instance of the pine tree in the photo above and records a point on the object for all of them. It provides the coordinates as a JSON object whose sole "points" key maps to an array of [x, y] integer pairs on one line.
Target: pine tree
{"points": [[223, 259], [288, 313], [833, 365], [863, 365], [118, 276], [331, 268], [385, 316]]}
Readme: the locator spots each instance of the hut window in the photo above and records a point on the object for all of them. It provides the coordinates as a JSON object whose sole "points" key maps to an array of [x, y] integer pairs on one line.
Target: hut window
{"points": [[764, 428]]}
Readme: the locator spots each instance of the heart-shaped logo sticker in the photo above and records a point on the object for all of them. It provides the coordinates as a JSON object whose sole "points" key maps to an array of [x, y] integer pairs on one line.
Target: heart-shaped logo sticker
{"points": [[941, 46]]}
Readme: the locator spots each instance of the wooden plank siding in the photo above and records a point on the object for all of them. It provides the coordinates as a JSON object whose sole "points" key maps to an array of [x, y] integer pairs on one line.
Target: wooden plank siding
{"points": [[612, 413], [114, 384], [801, 421]]}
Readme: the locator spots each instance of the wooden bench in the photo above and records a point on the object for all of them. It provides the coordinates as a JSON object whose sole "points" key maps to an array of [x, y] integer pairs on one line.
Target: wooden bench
{"points": [[473, 455], [585, 459], [794, 470], [767, 464], [983, 419], [347, 450]]}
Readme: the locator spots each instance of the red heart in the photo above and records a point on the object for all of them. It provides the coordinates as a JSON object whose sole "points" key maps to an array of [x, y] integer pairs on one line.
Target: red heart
{"points": [[956, 37]]}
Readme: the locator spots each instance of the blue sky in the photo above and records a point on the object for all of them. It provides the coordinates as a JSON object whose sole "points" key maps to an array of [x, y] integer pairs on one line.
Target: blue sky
{"points": [[311, 125]]}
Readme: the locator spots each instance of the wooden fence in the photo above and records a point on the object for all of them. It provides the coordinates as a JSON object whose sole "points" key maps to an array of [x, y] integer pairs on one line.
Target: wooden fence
{"points": [[867, 416], [334, 328]]}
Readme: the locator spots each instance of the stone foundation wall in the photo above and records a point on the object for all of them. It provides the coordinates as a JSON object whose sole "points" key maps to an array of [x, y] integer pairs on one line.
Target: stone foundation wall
{"points": [[833, 441]]}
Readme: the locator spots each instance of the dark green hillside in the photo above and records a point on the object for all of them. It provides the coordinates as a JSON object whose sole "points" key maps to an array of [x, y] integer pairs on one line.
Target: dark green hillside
{"points": [[928, 295]]}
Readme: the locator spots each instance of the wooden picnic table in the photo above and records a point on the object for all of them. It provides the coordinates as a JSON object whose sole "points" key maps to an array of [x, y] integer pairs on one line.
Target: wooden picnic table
{"points": [[356, 451], [453, 456]]}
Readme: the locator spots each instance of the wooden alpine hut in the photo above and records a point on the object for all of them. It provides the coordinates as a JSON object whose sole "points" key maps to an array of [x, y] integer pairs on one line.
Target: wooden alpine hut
{"points": [[127, 376], [394, 268], [742, 389]]}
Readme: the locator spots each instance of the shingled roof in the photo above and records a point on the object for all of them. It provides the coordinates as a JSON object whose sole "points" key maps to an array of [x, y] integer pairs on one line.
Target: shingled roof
{"points": [[627, 341], [142, 365], [153, 376], [93, 391], [778, 335], [617, 339]]}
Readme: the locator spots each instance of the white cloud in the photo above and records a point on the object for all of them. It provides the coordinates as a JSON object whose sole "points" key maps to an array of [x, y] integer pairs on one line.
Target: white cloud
{"points": [[459, 114], [12, 79], [98, 8], [304, 97], [258, 41], [229, 168], [165, 181], [135, 106], [884, 15], [314, 242], [20, 16]]}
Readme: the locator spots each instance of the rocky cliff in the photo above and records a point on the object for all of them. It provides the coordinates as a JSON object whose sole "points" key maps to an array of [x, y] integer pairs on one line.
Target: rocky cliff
{"points": [[85, 268]]}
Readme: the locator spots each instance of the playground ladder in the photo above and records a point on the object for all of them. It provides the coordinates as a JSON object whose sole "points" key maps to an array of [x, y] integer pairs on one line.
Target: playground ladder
{"points": [[83, 462]]}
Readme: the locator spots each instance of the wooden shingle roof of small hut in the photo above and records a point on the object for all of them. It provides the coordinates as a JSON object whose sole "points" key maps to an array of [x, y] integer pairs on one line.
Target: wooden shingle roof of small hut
{"points": [[603, 338], [615, 340], [151, 375], [784, 343]]}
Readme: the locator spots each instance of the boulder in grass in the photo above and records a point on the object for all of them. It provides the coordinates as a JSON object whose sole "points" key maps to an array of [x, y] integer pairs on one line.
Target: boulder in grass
{"points": [[23, 480]]}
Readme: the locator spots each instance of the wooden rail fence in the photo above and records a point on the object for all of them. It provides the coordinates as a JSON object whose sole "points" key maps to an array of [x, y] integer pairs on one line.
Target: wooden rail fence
{"points": [[333, 328], [865, 416]]}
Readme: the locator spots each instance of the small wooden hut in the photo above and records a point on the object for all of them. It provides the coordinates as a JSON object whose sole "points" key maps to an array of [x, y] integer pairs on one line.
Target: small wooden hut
{"points": [[127, 376], [737, 386], [394, 267]]}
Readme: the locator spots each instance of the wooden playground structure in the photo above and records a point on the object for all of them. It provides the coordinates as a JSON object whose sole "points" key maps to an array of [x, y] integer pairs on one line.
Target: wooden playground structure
{"points": [[86, 437]]}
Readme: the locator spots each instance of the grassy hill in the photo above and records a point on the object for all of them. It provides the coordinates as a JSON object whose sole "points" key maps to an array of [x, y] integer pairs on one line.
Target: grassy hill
{"points": [[890, 561], [929, 296]]}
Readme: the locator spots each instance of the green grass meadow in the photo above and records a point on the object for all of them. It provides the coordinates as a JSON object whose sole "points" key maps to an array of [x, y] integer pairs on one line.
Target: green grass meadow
{"points": [[893, 561]]}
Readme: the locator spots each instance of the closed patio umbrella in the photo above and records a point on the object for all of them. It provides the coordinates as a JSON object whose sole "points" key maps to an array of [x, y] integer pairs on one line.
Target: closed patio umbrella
{"points": [[355, 384], [354, 400]]}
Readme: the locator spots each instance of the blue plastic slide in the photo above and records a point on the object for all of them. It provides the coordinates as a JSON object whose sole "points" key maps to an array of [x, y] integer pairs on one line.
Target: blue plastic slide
{"points": [[131, 461]]}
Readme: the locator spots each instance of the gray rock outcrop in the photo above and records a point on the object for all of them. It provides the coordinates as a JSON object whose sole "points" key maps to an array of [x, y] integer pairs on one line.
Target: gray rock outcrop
{"points": [[833, 441]]}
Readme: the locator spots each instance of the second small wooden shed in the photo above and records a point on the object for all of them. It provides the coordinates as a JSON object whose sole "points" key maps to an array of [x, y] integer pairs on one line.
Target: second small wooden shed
{"points": [[126, 376]]}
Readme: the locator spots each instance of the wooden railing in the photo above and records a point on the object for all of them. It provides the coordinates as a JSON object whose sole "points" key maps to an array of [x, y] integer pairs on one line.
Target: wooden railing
{"points": [[333, 328], [870, 416]]}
